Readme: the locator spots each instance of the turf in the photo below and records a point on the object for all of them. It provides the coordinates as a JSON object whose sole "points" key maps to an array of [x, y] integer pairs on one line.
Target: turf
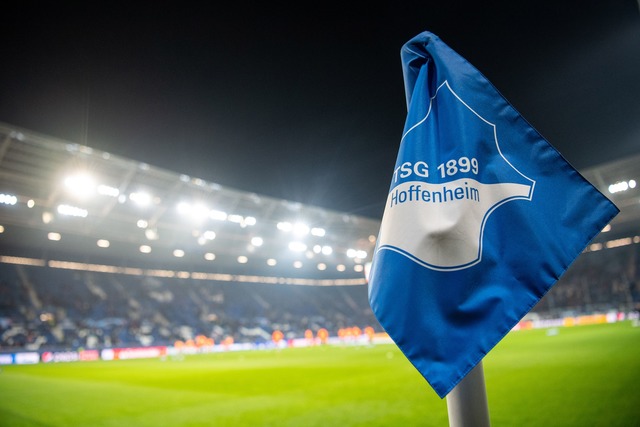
{"points": [[587, 375]]}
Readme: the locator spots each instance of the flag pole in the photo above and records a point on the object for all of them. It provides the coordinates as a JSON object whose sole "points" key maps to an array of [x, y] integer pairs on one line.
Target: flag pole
{"points": [[467, 402]]}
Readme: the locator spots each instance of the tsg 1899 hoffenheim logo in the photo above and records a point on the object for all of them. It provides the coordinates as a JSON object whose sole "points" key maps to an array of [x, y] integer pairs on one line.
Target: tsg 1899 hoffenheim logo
{"points": [[443, 193]]}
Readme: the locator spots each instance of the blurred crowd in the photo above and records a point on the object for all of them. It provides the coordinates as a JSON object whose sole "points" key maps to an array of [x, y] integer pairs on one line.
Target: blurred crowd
{"points": [[45, 308]]}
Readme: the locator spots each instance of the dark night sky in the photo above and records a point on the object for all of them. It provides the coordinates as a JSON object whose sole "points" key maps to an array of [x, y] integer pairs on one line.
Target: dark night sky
{"points": [[307, 102]]}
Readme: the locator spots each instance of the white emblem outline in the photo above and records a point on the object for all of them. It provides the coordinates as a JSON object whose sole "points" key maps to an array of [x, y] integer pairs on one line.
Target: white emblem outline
{"points": [[488, 212]]}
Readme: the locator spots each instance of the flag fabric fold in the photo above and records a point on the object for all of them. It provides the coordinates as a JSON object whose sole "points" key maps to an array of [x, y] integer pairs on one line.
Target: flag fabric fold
{"points": [[482, 218]]}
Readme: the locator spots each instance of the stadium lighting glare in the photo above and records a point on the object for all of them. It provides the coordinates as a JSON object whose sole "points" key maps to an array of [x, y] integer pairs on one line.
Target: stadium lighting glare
{"points": [[297, 246], [140, 198], [151, 234], [31, 203], [618, 242], [217, 215], [183, 208], [8, 199], [318, 232], [209, 256], [209, 235], [145, 249], [103, 243], [243, 259], [1, 228], [327, 250], [56, 237], [297, 264], [81, 184], [178, 253], [595, 247], [72, 211], [47, 217], [197, 212], [284, 226], [358, 254], [142, 223], [358, 268], [322, 266], [106, 190], [235, 218], [341, 267], [300, 229], [622, 186], [271, 262], [257, 241]]}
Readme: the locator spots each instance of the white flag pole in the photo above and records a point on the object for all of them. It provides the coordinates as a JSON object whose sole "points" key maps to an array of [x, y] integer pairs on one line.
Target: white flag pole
{"points": [[467, 402]]}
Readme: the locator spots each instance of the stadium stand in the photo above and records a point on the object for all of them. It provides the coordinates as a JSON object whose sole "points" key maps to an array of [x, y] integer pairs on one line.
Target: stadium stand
{"points": [[73, 272], [44, 308]]}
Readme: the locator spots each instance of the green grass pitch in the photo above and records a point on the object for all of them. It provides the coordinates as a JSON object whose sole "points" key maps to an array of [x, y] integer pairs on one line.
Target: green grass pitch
{"points": [[580, 376]]}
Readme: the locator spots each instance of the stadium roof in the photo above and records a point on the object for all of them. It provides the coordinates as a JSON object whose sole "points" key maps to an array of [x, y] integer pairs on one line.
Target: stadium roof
{"points": [[66, 201], [89, 198]]}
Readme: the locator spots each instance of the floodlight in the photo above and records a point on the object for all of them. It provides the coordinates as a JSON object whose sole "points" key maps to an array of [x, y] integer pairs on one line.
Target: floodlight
{"points": [[178, 253], [47, 217], [300, 229], [72, 211], [242, 259], [103, 243], [235, 218], [107, 190], [595, 247], [8, 199], [622, 186], [217, 215], [297, 246], [151, 233], [54, 236], [81, 184], [318, 232], [257, 241], [284, 226], [141, 198]]}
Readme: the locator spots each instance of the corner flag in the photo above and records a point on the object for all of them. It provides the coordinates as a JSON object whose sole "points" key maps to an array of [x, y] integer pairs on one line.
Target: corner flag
{"points": [[482, 218]]}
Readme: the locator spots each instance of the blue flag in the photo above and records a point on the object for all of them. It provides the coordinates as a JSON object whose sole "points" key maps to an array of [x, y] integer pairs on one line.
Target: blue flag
{"points": [[483, 216]]}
